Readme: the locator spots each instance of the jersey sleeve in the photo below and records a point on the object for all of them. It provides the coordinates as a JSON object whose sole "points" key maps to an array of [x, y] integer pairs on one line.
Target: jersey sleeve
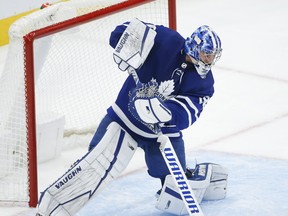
{"points": [[185, 110]]}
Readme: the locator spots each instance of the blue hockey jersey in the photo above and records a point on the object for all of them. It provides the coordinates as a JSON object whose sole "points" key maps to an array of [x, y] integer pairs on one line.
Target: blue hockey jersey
{"points": [[186, 91]]}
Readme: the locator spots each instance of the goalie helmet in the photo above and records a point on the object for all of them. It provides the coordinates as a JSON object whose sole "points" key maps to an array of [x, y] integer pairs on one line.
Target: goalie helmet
{"points": [[204, 47]]}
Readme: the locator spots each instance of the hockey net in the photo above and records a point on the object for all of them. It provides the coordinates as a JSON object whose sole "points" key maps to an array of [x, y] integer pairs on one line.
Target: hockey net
{"points": [[59, 61]]}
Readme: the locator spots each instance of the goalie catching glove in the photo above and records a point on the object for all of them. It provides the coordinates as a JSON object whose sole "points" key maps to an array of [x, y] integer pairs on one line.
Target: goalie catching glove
{"points": [[147, 105]]}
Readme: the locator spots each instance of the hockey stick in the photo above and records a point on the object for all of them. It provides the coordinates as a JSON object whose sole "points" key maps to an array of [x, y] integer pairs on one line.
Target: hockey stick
{"points": [[174, 166]]}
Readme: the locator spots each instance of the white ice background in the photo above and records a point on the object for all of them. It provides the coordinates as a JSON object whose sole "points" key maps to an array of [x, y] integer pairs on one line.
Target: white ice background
{"points": [[244, 126]]}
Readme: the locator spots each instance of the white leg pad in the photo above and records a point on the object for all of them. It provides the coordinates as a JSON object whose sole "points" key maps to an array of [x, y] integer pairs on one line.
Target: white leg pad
{"points": [[89, 175], [208, 182], [170, 199], [218, 183]]}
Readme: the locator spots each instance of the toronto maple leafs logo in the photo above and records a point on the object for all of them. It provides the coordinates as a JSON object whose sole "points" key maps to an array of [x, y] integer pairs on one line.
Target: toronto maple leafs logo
{"points": [[152, 88], [166, 88]]}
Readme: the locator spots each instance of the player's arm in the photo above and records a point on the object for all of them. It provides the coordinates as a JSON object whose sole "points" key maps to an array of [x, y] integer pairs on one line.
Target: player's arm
{"points": [[185, 109], [146, 104]]}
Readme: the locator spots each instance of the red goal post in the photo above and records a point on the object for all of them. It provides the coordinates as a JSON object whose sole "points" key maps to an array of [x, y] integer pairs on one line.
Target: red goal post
{"points": [[58, 61]]}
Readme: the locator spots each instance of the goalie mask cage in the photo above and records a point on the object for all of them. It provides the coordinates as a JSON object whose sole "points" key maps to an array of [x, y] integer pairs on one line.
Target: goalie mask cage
{"points": [[59, 61]]}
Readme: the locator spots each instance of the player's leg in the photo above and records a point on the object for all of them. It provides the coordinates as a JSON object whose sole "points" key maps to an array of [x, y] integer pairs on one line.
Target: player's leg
{"points": [[100, 132], [156, 165]]}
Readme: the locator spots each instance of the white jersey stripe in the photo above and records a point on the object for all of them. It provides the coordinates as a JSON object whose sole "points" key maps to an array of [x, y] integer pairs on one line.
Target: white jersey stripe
{"points": [[185, 107], [192, 105]]}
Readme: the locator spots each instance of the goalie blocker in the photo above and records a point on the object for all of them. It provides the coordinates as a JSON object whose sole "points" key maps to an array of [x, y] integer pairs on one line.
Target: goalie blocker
{"points": [[208, 182], [134, 45], [89, 175]]}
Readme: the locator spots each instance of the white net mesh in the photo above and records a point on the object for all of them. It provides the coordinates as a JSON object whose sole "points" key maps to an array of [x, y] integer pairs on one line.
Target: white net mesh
{"points": [[75, 76]]}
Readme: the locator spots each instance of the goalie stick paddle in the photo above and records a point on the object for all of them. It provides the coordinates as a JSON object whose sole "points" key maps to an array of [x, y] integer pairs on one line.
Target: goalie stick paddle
{"points": [[174, 166]]}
